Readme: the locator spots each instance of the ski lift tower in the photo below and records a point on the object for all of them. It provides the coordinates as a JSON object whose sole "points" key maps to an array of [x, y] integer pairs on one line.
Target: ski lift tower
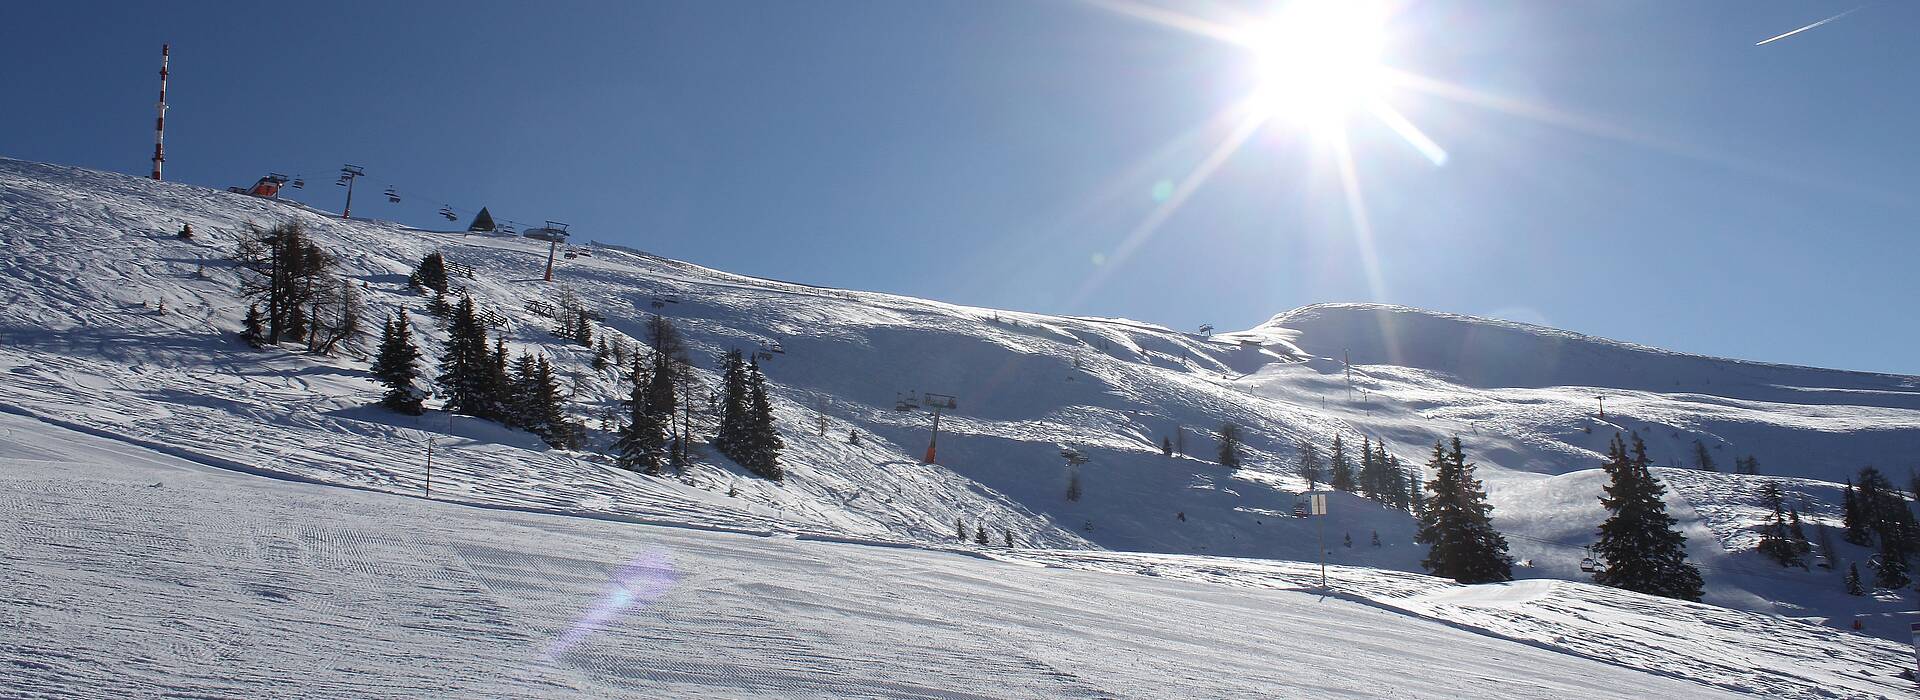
{"points": [[554, 233], [937, 402], [348, 174]]}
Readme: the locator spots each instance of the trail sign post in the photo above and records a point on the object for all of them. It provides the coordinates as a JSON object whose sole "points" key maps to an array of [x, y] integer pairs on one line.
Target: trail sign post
{"points": [[1318, 504]]}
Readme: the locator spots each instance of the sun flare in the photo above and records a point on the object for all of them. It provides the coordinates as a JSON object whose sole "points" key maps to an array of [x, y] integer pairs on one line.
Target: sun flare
{"points": [[1316, 63]]}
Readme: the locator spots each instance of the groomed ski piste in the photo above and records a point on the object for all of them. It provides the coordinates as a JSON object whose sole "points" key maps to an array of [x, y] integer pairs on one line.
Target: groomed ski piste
{"points": [[146, 555]]}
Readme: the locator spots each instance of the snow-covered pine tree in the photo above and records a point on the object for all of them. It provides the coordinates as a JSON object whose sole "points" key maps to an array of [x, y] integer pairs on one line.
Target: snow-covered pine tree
{"points": [[1007, 537], [520, 409], [1853, 580], [1229, 439], [430, 274], [1892, 573], [1369, 477], [600, 355], [500, 379], [1342, 478], [1798, 537], [546, 416], [643, 439], [396, 366], [731, 438], [1775, 542], [1856, 524], [764, 442], [1309, 465], [1643, 549], [466, 369], [980, 534], [1456, 525]]}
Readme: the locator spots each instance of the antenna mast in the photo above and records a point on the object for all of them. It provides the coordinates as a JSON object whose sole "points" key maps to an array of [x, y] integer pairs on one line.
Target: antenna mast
{"points": [[160, 122]]}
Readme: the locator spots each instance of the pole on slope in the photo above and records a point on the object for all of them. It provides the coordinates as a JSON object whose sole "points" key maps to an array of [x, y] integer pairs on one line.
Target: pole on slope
{"points": [[1603, 406], [930, 458], [552, 246], [1346, 358], [160, 122], [429, 466], [348, 174], [1318, 508]]}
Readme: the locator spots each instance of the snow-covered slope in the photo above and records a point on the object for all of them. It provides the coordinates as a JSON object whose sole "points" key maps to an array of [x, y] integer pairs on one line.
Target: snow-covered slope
{"points": [[126, 572], [87, 259]]}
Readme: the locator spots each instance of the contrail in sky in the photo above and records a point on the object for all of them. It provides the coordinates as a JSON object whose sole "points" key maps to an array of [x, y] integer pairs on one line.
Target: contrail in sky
{"points": [[1810, 26]]}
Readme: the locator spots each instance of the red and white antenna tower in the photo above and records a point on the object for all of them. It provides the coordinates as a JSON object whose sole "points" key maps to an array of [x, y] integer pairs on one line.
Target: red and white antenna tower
{"points": [[160, 122]]}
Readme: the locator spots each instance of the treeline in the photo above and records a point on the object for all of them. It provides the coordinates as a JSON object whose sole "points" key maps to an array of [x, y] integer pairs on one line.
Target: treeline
{"points": [[1380, 477], [302, 299]]}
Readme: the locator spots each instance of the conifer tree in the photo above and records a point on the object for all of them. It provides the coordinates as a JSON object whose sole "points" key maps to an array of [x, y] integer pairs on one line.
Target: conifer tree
{"points": [[430, 274], [1007, 536], [960, 529], [1775, 541], [1166, 446], [1856, 525], [1457, 524], [255, 330], [642, 441], [466, 369], [764, 442], [540, 410], [1309, 466], [1369, 476], [1853, 581], [980, 535], [1798, 537], [1702, 459], [1893, 569], [1229, 439], [396, 366], [1342, 479], [521, 406], [500, 381], [1643, 549], [600, 355], [731, 439]]}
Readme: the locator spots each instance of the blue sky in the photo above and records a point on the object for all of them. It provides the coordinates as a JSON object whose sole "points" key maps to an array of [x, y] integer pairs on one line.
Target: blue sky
{"points": [[1635, 169]]}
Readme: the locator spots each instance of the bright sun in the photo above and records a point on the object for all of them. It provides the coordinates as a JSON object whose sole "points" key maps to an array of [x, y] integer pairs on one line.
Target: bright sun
{"points": [[1318, 62]]}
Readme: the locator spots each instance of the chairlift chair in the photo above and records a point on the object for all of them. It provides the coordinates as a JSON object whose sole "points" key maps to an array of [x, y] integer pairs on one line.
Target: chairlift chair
{"points": [[1588, 565], [905, 402], [392, 196], [447, 212], [299, 183], [943, 402]]}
